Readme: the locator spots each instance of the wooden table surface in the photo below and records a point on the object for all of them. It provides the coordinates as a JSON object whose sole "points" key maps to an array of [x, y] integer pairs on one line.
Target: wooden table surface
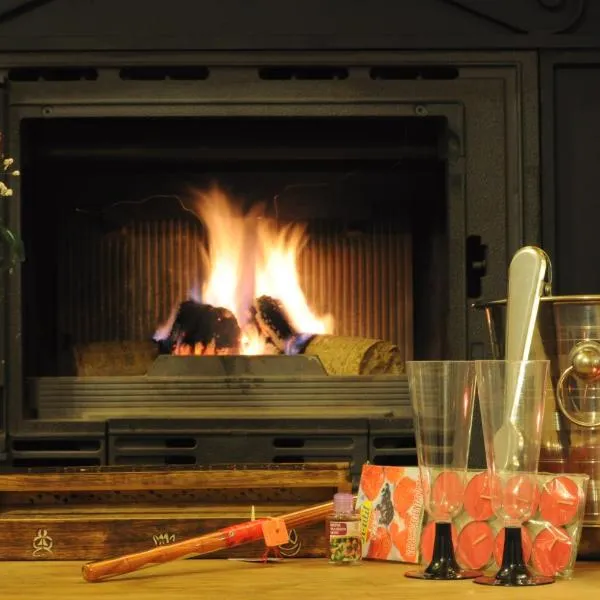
{"points": [[306, 579]]}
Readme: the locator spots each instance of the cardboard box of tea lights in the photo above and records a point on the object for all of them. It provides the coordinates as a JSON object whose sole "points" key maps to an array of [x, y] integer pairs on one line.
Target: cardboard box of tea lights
{"points": [[390, 501], [395, 526]]}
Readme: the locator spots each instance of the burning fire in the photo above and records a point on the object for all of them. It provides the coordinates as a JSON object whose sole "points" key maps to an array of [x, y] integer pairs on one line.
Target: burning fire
{"points": [[249, 256]]}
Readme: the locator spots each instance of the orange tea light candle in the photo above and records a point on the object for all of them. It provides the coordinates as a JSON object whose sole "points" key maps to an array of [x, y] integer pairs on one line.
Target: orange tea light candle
{"points": [[475, 545], [447, 495], [520, 497], [552, 550], [560, 501], [477, 500]]}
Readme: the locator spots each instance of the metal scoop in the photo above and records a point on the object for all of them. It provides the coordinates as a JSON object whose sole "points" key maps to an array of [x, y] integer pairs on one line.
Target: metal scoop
{"points": [[525, 287]]}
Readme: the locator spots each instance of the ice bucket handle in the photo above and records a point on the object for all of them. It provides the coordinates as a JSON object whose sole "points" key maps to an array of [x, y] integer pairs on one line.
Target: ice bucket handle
{"points": [[585, 365]]}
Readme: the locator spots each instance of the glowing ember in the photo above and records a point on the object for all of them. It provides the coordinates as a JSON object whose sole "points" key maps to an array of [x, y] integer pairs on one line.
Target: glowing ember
{"points": [[249, 256], [199, 349]]}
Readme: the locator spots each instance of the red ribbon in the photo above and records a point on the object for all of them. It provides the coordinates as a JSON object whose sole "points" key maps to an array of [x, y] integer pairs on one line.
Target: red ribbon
{"points": [[242, 533]]}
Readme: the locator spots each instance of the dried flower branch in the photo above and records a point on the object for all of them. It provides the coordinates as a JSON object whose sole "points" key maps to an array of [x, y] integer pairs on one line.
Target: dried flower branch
{"points": [[7, 164], [13, 251], [5, 190]]}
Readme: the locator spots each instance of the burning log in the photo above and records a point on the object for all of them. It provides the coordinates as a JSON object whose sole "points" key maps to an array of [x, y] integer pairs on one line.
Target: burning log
{"points": [[340, 355], [273, 322], [202, 329]]}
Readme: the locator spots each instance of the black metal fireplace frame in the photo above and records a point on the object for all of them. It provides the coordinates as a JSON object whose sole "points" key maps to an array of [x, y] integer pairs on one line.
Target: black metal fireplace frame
{"points": [[491, 107]]}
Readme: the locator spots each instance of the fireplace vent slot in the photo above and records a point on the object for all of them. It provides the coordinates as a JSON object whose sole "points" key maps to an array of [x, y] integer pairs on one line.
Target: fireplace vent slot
{"points": [[310, 443], [155, 443], [303, 73], [53, 74], [396, 460], [58, 452], [164, 73], [394, 443], [54, 462], [156, 460], [56, 445], [414, 72], [299, 459]]}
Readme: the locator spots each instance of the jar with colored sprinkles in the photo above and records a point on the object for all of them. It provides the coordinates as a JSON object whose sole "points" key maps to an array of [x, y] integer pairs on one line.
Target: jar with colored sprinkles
{"points": [[343, 527]]}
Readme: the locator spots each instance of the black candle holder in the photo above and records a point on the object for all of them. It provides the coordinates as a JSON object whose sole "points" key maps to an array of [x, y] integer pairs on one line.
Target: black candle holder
{"points": [[443, 565], [514, 571]]}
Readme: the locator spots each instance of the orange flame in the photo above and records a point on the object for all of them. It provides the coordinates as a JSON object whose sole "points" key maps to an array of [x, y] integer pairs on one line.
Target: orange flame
{"points": [[250, 256], [277, 275]]}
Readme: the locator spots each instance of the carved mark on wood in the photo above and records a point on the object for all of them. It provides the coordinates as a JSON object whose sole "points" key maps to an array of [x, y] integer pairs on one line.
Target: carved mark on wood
{"points": [[42, 543], [163, 539], [292, 547], [528, 16]]}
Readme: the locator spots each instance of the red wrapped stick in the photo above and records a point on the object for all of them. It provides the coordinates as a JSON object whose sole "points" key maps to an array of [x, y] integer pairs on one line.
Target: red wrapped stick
{"points": [[228, 537]]}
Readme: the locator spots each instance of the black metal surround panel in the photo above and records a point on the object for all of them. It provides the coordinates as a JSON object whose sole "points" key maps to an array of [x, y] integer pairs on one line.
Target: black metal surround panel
{"points": [[84, 25], [571, 156], [78, 33]]}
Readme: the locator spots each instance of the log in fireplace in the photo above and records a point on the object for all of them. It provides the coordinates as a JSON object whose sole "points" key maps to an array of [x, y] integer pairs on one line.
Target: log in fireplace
{"points": [[414, 174]]}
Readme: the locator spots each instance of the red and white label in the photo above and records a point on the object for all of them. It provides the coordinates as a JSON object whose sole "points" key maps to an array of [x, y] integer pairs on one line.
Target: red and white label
{"points": [[344, 529]]}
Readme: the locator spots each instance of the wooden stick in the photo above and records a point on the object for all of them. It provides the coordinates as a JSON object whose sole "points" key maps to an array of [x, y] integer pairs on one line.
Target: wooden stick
{"points": [[227, 537]]}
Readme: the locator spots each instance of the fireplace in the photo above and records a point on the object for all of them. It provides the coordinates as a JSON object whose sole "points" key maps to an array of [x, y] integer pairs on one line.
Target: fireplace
{"points": [[405, 168], [116, 243]]}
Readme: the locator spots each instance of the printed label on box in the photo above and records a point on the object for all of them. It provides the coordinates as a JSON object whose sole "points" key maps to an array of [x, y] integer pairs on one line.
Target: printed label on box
{"points": [[390, 501]]}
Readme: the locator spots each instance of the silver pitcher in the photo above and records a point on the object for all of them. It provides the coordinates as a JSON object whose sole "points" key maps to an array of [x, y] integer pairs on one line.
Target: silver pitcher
{"points": [[568, 334]]}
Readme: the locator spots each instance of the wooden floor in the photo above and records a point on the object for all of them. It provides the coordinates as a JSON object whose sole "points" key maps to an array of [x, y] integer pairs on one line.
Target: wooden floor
{"points": [[309, 579]]}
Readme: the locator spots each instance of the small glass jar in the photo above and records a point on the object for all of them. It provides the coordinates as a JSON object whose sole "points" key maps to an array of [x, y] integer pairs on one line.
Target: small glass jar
{"points": [[343, 529]]}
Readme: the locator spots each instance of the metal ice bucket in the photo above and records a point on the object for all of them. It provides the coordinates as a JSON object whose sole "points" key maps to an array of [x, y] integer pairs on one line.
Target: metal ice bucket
{"points": [[568, 334]]}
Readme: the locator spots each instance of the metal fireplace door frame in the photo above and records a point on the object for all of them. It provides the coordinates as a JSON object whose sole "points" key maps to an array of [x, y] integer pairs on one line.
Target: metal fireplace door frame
{"points": [[491, 108]]}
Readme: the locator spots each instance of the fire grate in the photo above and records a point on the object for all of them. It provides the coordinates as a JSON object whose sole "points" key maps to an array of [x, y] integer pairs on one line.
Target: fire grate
{"points": [[89, 398], [168, 365]]}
